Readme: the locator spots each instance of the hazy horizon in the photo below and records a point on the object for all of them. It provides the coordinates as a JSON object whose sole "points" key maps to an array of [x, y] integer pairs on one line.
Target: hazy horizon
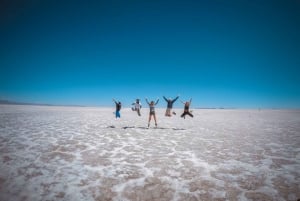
{"points": [[144, 106]]}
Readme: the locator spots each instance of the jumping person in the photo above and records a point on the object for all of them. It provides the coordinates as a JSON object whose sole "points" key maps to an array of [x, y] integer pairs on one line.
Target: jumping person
{"points": [[152, 111], [186, 109], [137, 106], [170, 106], [118, 108]]}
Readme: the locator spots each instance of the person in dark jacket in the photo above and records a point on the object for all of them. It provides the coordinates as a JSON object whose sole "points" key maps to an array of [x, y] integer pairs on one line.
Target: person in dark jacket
{"points": [[170, 103], [118, 108], [186, 109]]}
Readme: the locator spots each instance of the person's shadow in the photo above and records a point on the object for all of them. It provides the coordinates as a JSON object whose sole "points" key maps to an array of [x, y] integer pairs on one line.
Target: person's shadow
{"points": [[142, 127], [125, 127]]}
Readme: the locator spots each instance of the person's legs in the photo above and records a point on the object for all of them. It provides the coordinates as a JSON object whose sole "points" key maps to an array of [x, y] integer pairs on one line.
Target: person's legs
{"points": [[168, 112], [155, 119], [118, 114], [139, 112], [149, 120], [190, 114]]}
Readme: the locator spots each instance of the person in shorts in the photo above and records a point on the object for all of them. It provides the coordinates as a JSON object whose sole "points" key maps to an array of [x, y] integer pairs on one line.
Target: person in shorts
{"points": [[152, 111]]}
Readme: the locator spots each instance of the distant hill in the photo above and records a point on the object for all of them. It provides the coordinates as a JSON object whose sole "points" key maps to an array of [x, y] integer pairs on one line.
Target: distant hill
{"points": [[8, 102]]}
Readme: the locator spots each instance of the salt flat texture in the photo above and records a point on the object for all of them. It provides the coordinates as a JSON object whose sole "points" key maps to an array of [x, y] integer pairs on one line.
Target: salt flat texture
{"points": [[69, 153]]}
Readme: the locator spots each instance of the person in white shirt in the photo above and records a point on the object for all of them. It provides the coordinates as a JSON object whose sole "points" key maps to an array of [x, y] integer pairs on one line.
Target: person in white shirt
{"points": [[137, 106]]}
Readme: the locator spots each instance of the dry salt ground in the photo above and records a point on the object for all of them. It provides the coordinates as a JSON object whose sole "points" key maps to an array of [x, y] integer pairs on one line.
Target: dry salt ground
{"points": [[80, 153]]}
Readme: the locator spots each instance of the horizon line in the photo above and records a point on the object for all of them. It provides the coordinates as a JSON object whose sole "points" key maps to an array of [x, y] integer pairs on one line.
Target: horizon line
{"points": [[8, 102]]}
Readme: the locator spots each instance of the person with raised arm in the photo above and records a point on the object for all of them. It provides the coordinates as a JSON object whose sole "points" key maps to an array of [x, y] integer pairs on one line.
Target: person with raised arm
{"points": [[118, 108], [170, 103], [186, 110], [152, 111], [137, 106]]}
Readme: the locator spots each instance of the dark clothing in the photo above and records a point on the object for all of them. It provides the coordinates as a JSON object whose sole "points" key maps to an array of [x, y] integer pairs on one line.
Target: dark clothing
{"points": [[186, 108], [170, 102], [118, 106], [187, 113]]}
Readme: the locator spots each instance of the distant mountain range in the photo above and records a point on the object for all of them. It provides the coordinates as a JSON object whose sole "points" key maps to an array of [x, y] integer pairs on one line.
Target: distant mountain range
{"points": [[8, 102]]}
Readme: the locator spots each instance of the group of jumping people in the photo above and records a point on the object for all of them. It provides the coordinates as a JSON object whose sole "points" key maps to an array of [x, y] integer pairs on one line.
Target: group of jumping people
{"points": [[136, 106]]}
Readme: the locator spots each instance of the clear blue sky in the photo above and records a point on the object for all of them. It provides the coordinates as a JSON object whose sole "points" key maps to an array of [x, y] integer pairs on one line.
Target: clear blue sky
{"points": [[229, 53]]}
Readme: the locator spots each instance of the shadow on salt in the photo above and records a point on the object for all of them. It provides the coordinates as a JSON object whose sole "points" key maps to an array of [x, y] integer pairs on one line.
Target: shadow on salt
{"points": [[143, 127]]}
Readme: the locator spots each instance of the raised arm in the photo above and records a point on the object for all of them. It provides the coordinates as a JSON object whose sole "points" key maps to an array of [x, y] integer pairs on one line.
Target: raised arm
{"points": [[165, 98], [157, 101], [175, 99], [147, 101], [190, 100], [114, 100]]}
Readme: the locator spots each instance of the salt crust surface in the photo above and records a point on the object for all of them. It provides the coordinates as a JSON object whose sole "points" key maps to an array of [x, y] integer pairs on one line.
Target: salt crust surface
{"points": [[81, 153]]}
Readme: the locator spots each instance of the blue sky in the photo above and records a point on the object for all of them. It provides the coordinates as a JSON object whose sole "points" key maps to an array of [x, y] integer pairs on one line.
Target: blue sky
{"points": [[221, 53]]}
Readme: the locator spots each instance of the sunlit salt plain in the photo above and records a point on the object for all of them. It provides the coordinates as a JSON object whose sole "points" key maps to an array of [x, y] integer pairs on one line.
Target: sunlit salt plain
{"points": [[81, 153]]}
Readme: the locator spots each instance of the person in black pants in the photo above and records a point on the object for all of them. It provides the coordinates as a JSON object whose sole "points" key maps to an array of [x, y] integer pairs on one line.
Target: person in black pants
{"points": [[186, 109]]}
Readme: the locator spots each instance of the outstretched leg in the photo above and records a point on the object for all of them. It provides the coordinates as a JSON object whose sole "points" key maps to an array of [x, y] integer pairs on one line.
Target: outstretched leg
{"points": [[190, 114], [174, 113]]}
